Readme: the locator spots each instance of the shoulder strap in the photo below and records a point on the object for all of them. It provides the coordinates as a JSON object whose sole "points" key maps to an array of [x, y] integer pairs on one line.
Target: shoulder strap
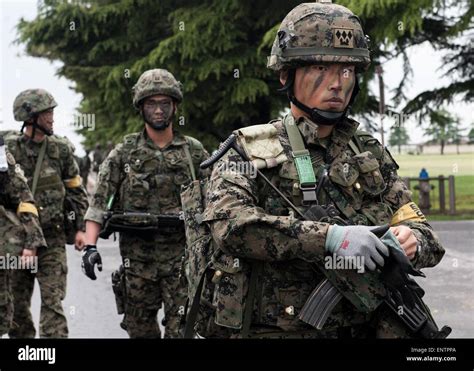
{"points": [[247, 318], [302, 160], [39, 162], [129, 142], [187, 148], [356, 144]]}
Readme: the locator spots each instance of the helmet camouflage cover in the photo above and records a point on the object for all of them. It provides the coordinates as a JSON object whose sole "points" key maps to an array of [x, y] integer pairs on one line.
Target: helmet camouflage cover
{"points": [[30, 102], [319, 32], [156, 81]]}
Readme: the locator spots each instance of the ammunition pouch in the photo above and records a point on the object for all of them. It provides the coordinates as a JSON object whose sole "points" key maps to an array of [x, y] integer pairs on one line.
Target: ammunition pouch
{"points": [[143, 225], [118, 286]]}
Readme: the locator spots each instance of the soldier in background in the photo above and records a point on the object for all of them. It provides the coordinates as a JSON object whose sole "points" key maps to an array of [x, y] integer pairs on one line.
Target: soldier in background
{"points": [[20, 231], [144, 174], [98, 157], [53, 176], [85, 164]]}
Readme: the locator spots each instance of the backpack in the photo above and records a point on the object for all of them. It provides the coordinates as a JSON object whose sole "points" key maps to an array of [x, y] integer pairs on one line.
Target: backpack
{"points": [[199, 249]]}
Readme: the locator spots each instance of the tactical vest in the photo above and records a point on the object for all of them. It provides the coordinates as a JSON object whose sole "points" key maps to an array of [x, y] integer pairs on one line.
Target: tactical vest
{"points": [[350, 178], [152, 179], [50, 190]]}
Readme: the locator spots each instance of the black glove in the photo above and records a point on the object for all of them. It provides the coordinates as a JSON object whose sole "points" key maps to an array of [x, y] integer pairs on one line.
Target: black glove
{"points": [[90, 257]]}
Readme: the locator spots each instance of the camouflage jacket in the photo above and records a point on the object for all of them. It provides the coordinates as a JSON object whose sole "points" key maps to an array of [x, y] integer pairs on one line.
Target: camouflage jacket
{"points": [[59, 181], [144, 178], [250, 224], [19, 223]]}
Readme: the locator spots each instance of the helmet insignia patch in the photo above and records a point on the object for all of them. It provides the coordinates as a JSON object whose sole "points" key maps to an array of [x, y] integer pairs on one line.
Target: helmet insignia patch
{"points": [[343, 37]]}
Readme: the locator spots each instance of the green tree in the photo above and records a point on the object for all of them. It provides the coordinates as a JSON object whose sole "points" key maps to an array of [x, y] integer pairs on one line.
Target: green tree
{"points": [[398, 137], [216, 48], [470, 136], [442, 126], [456, 133]]}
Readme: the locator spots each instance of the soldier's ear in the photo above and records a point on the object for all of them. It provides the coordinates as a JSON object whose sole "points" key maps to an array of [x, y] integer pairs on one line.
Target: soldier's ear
{"points": [[283, 77]]}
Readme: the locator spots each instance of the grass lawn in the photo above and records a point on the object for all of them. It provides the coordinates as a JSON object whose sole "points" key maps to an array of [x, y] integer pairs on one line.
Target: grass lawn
{"points": [[461, 166], [410, 165]]}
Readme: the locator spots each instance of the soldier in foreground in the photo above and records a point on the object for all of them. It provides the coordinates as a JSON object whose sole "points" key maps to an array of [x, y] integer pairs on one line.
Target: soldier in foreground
{"points": [[269, 257], [53, 176], [139, 182], [20, 231]]}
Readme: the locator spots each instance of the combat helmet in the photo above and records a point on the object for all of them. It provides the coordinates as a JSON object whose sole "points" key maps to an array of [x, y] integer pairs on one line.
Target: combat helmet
{"points": [[319, 32], [156, 81], [31, 102]]}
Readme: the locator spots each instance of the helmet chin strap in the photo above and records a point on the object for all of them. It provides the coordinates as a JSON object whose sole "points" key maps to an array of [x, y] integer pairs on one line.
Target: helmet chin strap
{"points": [[318, 116], [36, 126], [45, 131]]}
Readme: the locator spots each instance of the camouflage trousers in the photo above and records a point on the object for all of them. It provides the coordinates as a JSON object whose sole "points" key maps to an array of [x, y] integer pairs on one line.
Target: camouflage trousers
{"points": [[152, 279], [51, 276], [6, 301]]}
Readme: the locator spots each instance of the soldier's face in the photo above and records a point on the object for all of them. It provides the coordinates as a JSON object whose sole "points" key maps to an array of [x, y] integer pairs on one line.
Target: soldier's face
{"points": [[46, 119], [158, 110], [327, 87]]}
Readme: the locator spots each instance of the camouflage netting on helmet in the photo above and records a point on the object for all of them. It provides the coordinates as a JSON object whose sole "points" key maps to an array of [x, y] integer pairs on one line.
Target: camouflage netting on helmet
{"points": [[319, 33], [157, 81], [31, 102]]}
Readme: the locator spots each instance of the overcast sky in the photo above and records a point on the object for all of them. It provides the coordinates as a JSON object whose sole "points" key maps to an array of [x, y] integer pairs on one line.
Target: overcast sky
{"points": [[19, 72]]}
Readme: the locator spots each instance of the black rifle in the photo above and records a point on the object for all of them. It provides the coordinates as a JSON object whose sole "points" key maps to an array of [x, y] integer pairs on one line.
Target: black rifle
{"points": [[140, 223]]}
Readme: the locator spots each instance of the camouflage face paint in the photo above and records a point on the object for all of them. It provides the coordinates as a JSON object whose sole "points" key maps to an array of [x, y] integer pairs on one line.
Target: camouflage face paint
{"points": [[348, 87], [317, 84], [158, 113], [318, 80]]}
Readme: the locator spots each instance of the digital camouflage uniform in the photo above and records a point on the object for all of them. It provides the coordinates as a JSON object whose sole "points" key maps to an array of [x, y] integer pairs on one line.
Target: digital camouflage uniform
{"points": [[59, 182], [19, 229], [144, 178], [253, 228]]}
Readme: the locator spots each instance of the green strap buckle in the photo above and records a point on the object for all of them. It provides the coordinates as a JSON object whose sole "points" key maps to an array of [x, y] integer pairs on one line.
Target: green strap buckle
{"points": [[304, 167]]}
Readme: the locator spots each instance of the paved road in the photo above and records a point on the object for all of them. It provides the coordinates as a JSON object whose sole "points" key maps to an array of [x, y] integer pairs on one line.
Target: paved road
{"points": [[90, 305], [450, 285]]}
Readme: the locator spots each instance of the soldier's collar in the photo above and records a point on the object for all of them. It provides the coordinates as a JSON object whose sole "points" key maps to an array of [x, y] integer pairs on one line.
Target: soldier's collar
{"points": [[339, 138], [26, 139], [308, 130], [341, 135], [178, 139]]}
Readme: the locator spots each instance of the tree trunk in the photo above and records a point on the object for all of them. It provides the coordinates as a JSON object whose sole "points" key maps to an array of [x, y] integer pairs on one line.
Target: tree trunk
{"points": [[442, 146], [399, 149]]}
